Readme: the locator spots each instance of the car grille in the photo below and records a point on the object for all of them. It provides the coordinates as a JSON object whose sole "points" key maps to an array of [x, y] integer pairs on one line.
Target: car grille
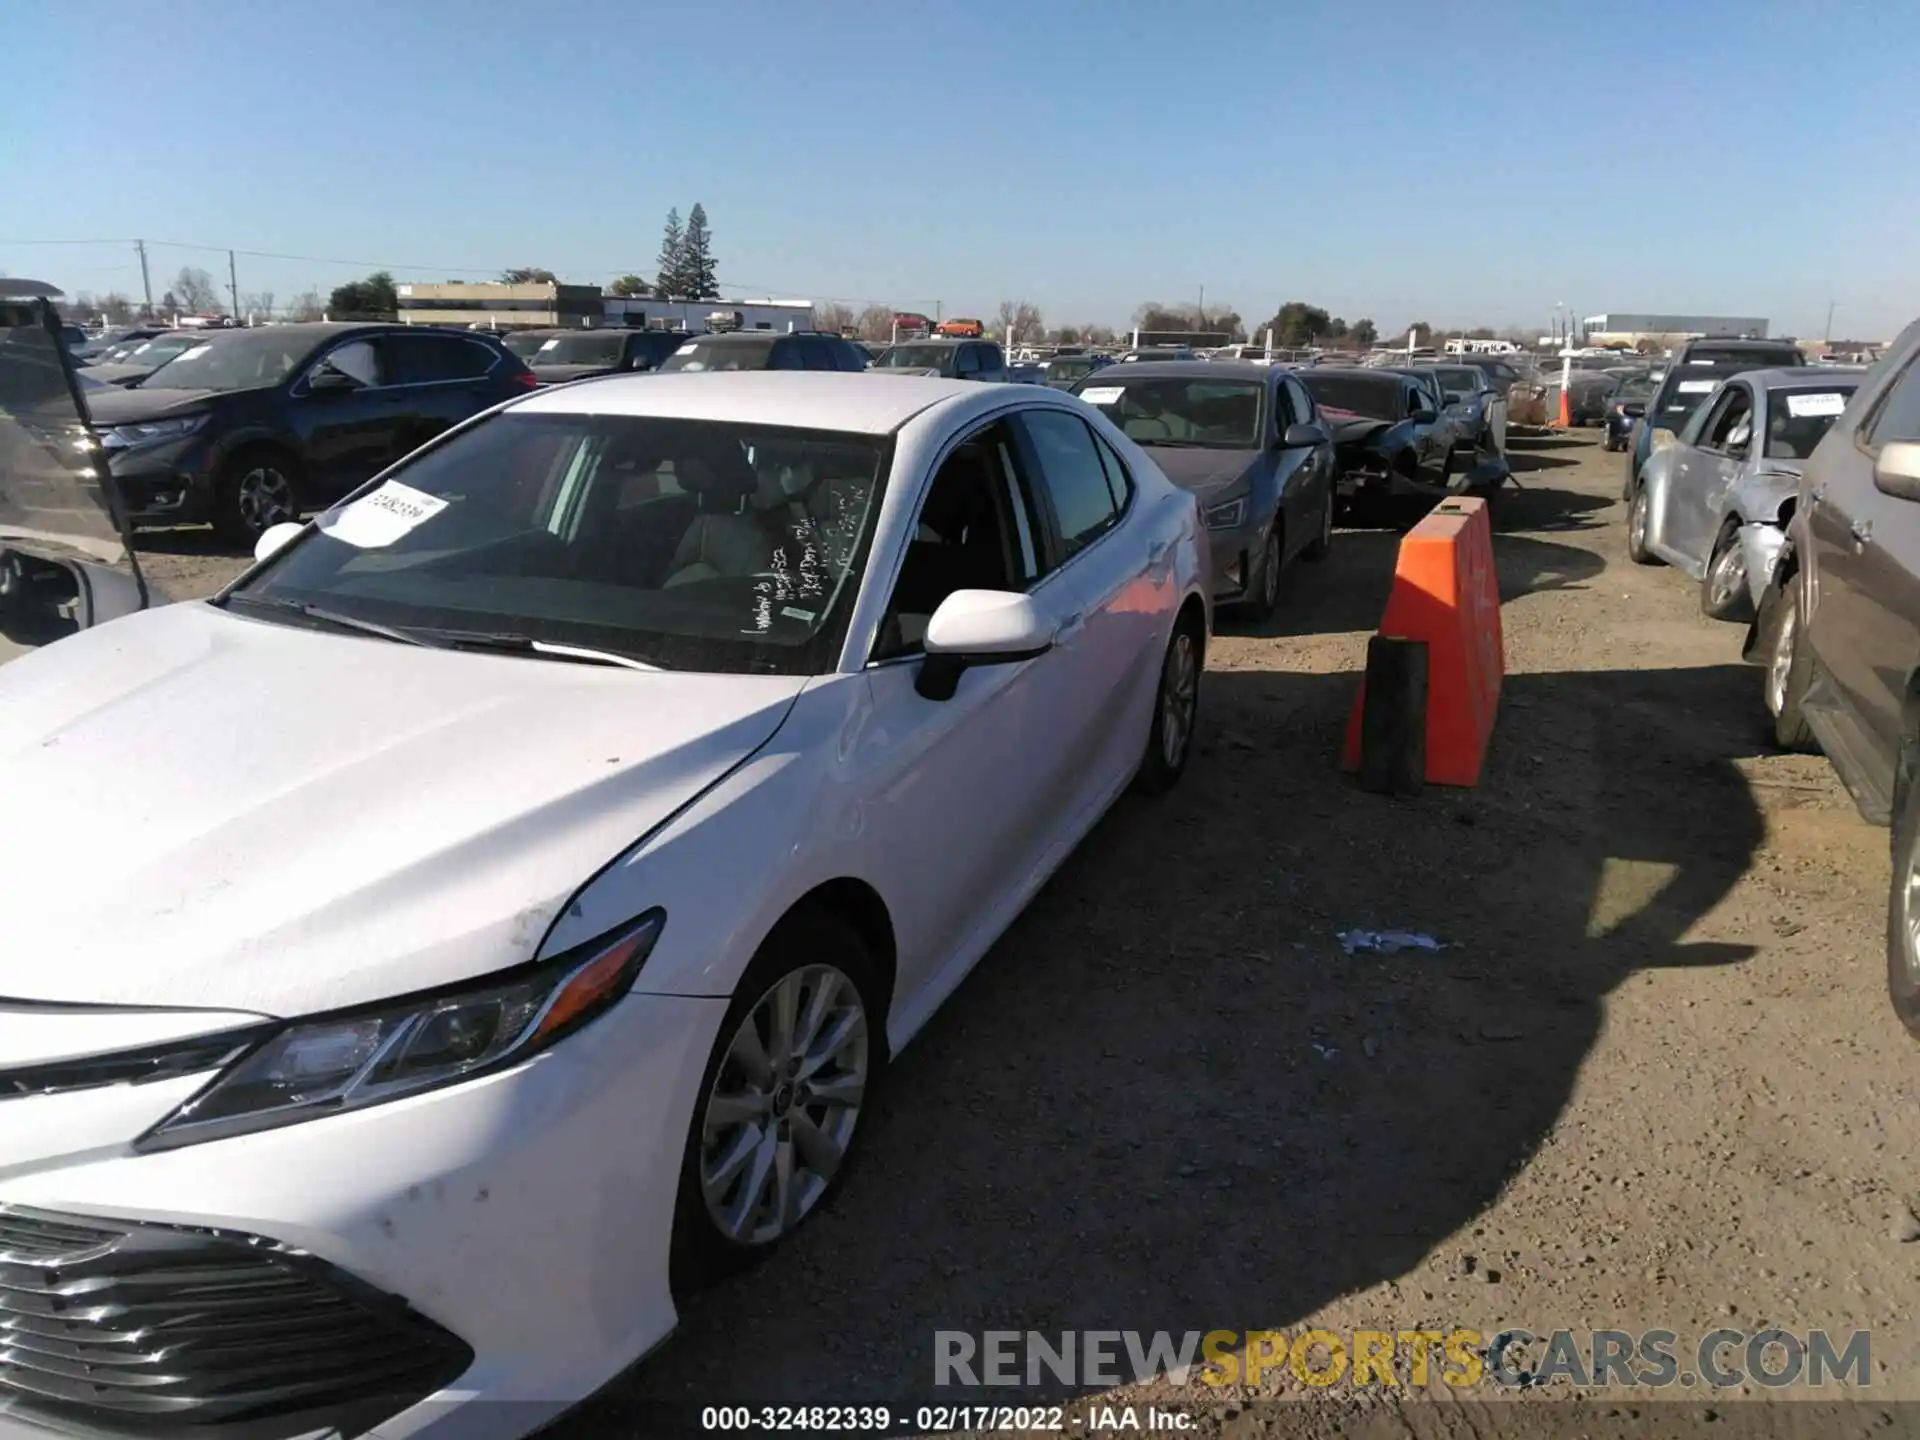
{"points": [[137, 1329]]}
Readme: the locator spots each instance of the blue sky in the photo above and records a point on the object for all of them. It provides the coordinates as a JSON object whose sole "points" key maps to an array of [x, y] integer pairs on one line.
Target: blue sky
{"points": [[1459, 161]]}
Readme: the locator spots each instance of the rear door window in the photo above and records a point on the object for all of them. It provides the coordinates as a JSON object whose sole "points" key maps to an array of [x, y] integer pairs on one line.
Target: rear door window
{"points": [[1074, 476], [427, 359]]}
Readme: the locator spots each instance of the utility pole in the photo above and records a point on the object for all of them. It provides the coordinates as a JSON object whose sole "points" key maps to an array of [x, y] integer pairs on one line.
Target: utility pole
{"points": [[1200, 310], [146, 285], [233, 285], [1829, 336]]}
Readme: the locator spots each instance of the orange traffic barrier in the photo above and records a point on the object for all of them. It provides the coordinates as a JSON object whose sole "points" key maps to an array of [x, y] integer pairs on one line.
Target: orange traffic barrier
{"points": [[1565, 419], [1445, 599]]}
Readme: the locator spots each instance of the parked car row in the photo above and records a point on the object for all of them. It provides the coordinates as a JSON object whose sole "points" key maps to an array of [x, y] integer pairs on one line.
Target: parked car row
{"points": [[1792, 493]]}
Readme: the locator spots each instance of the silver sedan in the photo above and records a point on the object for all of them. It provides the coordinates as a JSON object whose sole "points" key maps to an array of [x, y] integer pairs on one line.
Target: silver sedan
{"points": [[1715, 503]]}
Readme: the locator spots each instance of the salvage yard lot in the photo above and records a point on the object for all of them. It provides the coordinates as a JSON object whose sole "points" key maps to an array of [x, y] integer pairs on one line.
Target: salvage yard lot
{"points": [[1651, 1081]]}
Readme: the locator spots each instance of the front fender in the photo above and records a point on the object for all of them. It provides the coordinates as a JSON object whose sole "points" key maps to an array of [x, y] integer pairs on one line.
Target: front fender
{"points": [[1761, 545]]}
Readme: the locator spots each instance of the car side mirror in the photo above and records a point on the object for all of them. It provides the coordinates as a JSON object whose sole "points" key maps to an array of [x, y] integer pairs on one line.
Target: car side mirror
{"points": [[328, 381], [274, 539], [1424, 417], [979, 627], [1304, 433], [1897, 471], [1633, 410]]}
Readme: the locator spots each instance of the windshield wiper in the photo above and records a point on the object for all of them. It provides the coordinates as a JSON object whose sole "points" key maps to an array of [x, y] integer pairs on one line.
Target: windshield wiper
{"points": [[333, 617], [513, 644]]}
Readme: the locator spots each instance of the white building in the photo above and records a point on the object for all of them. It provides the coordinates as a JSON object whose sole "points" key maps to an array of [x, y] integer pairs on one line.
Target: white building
{"points": [[647, 312]]}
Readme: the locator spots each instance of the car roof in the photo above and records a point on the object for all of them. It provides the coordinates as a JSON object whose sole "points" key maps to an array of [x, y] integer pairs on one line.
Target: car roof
{"points": [[1707, 342], [797, 399], [1191, 369], [1353, 372], [1802, 376]]}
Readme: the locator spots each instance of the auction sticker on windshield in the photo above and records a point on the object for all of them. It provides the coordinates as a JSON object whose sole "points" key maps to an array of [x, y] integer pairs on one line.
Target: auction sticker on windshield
{"points": [[379, 519], [1102, 394], [1819, 402], [1695, 387]]}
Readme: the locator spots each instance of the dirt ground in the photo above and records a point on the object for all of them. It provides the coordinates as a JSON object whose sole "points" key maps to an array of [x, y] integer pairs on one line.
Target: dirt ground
{"points": [[1652, 1081]]}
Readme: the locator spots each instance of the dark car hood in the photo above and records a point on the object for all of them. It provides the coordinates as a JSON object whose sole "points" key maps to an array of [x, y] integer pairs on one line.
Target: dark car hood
{"points": [[1349, 428], [560, 374], [126, 407], [117, 374], [1203, 472]]}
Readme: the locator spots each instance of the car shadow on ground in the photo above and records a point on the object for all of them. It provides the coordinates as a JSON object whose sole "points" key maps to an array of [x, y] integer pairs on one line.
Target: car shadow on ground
{"points": [[1168, 1100], [196, 540]]}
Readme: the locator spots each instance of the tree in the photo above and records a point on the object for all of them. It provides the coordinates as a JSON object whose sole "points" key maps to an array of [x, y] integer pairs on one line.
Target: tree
{"points": [[1420, 333], [259, 303], [306, 306], [698, 264], [116, 307], [874, 323], [1064, 335], [670, 283], [833, 317], [371, 296], [168, 303], [630, 286], [1019, 319], [1297, 324], [195, 289], [1364, 332], [527, 275]]}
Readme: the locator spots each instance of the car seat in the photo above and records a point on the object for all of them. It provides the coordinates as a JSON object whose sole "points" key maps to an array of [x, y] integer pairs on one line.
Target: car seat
{"points": [[727, 536]]}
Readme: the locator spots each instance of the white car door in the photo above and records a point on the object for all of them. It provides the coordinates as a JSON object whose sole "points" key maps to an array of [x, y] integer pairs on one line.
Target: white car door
{"points": [[960, 791], [1112, 665]]}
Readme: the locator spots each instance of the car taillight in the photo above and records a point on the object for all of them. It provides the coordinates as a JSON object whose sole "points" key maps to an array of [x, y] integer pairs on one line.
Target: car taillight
{"points": [[527, 380]]}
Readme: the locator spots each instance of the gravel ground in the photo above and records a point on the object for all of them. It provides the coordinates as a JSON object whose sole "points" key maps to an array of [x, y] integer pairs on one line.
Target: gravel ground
{"points": [[1651, 1081]]}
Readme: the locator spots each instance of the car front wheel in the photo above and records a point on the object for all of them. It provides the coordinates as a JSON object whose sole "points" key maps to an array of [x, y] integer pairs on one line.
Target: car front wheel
{"points": [[1639, 518], [255, 492], [1263, 594], [1903, 915], [1723, 588], [1789, 668], [782, 1097]]}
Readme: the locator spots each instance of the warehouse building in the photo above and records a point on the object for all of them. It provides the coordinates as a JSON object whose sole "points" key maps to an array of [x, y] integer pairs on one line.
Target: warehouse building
{"points": [[501, 307], [1669, 330]]}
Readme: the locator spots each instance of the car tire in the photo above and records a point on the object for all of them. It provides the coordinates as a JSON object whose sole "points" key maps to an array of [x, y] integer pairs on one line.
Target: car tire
{"points": [[1639, 516], [1175, 714], [1260, 604], [1321, 545], [811, 948], [1789, 668], [256, 489], [1723, 585], [1903, 914]]}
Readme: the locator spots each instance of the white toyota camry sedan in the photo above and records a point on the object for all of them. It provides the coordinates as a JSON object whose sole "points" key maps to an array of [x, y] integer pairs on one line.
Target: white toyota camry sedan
{"points": [[499, 905]]}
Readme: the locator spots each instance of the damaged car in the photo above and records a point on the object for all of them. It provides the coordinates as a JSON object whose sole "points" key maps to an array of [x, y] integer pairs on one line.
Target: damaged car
{"points": [[65, 562], [1715, 503], [1389, 440]]}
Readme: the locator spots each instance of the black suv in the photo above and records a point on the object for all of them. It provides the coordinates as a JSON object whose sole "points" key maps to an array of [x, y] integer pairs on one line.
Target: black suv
{"points": [[582, 354], [765, 350], [255, 426], [955, 359]]}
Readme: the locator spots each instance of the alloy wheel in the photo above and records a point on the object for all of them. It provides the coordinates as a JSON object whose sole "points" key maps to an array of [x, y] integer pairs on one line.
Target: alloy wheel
{"points": [[1729, 576], [1637, 520], [1270, 571], [264, 498], [1179, 697], [784, 1105], [1780, 662]]}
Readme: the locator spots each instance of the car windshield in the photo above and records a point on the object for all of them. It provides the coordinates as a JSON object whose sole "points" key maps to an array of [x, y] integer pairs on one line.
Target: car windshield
{"points": [[1797, 419], [1180, 413], [580, 350], [1685, 390], [720, 355], [236, 360], [525, 346], [1462, 381], [689, 545], [1637, 388], [918, 357], [1359, 395], [1075, 369], [161, 349]]}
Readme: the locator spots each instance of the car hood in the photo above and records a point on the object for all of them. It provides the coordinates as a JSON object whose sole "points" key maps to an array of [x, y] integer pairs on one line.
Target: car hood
{"points": [[1349, 428], [116, 374], [148, 402], [214, 811], [1204, 472]]}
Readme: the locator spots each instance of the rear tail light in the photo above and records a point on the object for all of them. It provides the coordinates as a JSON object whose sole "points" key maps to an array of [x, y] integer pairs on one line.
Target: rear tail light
{"points": [[527, 380]]}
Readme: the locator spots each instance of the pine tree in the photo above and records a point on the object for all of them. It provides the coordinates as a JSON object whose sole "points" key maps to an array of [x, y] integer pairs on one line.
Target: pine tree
{"points": [[698, 265], [671, 282]]}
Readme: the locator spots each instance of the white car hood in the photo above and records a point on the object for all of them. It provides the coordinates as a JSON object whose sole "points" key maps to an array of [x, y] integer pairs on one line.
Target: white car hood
{"points": [[202, 809]]}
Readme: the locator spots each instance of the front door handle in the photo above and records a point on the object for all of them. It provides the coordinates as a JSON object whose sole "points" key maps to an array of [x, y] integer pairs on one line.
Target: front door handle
{"points": [[1817, 494], [1862, 532]]}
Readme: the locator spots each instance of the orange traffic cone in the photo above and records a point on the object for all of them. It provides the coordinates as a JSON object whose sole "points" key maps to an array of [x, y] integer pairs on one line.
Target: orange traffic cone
{"points": [[1565, 420]]}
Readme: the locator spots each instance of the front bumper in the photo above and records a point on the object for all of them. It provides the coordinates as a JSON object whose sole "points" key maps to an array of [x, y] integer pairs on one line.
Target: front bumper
{"points": [[169, 484], [1761, 544], [515, 1228]]}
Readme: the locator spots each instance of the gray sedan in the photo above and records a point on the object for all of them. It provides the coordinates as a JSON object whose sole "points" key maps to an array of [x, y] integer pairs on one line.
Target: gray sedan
{"points": [[1715, 503], [1250, 442]]}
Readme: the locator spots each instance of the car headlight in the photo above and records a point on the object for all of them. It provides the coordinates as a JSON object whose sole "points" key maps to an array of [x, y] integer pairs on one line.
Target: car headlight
{"points": [[1660, 439], [151, 432], [1227, 514], [336, 1063]]}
